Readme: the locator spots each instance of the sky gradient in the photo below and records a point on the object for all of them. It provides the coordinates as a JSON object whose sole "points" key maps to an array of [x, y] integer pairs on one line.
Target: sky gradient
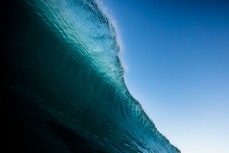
{"points": [[177, 58]]}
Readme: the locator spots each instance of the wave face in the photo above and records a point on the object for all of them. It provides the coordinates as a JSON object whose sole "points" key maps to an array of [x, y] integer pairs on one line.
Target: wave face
{"points": [[63, 86]]}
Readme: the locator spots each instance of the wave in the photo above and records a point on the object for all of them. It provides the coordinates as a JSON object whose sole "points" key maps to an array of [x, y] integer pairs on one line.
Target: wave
{"points": [[63, 82]]}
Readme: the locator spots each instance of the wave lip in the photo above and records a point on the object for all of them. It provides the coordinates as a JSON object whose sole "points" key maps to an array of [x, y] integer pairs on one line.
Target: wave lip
{"points": [[66, 78]]}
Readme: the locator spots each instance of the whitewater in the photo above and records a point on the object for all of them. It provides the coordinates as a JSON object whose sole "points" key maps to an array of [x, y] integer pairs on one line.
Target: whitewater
{"points": [[63, 85]]}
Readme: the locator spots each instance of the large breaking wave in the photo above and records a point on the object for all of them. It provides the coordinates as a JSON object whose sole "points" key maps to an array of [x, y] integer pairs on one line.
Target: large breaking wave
{"points": [[63, 82]]}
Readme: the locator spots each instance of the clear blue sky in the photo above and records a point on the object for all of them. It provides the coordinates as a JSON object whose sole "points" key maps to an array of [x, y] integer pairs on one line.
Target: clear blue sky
{"points": [[177, 55]]}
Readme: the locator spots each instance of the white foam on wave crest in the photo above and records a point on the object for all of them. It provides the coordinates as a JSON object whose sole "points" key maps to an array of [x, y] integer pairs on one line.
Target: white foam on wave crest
{"points": [[113, 23]]}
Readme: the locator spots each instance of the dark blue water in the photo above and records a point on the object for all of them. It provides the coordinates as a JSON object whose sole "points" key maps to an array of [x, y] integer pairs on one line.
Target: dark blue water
{"points": [[62, 83]]}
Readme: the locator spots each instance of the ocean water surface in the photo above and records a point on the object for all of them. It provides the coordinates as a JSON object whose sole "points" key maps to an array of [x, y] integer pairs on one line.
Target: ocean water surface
{"points": [[62, 83]]}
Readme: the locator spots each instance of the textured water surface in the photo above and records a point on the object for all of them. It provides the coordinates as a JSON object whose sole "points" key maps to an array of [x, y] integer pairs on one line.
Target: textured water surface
{"points": [[63, 86]]}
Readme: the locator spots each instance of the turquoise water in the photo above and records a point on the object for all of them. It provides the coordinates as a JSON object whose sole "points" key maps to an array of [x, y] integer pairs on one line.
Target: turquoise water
{"points": [[63, 83]]}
